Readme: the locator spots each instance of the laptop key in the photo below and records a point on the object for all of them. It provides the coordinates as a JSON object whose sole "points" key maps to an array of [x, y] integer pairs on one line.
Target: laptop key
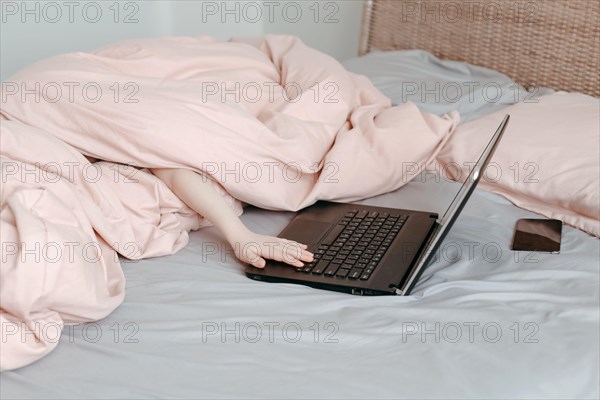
{"points": [[331, 269], [361, 214], [320, 267], [342, 272], [355, 273]]}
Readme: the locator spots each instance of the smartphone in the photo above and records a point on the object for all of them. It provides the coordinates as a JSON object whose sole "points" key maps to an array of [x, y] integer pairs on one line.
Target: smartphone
{"points": [[537, 235]]}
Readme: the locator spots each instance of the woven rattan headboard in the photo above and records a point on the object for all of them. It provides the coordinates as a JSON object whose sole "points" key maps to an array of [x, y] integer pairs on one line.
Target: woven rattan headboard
{"points": [[541, 43]]}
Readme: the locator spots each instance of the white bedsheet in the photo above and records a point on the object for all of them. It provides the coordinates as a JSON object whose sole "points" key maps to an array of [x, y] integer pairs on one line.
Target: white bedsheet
{"points": [[175, 335], [440, 86]]}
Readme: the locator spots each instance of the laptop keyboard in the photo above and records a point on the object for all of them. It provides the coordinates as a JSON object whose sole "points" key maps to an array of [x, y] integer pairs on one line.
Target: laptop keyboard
{"points": [[356, 245]]}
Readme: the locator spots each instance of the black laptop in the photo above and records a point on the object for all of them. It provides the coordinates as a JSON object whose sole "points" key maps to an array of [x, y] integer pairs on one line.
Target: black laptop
{"points": [[367, 250]]}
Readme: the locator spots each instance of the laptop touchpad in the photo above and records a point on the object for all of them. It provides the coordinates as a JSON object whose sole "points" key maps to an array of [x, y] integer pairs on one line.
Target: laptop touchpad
{"points": [[306, 232]]}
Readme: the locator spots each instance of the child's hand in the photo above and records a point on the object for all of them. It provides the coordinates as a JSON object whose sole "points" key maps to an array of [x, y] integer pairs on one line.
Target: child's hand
{"points": [[253, 248], [196, 191]]}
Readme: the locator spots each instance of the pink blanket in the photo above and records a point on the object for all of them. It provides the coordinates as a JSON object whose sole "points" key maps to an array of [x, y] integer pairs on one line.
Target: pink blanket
{"points": [[274, 123]]}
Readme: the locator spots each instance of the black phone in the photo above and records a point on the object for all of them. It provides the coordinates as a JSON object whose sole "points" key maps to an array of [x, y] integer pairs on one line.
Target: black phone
{"points": [[537, 235]]}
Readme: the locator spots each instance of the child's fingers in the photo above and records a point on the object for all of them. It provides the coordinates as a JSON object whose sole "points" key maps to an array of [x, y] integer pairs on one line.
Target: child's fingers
{"points": [[258, 262], [280, 253], [307, 256], [303, 255], [294, 251], [302, 245], [291, 256], [300, 249], [291, 259], [289, 252]]}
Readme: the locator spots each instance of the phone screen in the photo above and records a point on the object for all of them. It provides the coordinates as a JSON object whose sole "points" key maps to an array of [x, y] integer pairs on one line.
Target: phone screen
{"points": [[538, 235]]}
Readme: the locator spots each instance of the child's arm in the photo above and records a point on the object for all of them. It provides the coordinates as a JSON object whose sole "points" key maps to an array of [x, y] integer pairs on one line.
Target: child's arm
{"points": [[194, 190]]}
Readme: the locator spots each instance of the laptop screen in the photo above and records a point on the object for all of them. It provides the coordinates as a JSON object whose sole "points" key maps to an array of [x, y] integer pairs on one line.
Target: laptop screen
{"points": [[471, 182], [453, 211]]}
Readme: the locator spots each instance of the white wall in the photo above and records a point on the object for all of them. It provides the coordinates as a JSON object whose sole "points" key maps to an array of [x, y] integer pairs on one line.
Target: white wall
{"points": [[330, 26], [32, 30]]}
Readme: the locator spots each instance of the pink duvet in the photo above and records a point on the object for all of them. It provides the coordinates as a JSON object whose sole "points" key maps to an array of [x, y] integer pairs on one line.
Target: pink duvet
{"points": [[274, 123]]}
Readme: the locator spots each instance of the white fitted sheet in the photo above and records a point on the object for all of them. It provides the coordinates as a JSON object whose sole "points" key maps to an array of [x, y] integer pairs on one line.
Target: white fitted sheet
{"points": [[440, 86], [379, 348]]}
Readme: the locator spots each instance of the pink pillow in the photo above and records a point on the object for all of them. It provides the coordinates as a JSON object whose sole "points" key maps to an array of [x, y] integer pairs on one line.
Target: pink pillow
{"points": [[548, 160]]}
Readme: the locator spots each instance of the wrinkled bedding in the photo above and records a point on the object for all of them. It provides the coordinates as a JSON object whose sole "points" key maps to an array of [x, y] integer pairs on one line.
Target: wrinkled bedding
{"points": [[439, 86], [169, 337], [64, 220], [187, 327]]}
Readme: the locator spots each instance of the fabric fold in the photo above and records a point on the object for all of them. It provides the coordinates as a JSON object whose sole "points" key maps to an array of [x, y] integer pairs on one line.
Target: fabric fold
{"points": [[272, 122]]}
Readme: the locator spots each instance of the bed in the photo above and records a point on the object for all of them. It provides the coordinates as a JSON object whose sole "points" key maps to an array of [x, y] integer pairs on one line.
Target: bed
{"points": [[483, 321]]}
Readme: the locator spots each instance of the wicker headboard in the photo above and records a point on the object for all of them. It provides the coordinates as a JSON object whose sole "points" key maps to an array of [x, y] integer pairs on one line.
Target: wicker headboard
{"points": [[541, 43]]}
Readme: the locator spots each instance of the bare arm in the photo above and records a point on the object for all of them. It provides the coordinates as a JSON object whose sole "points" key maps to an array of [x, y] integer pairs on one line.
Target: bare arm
{"points": [[195, 191]]}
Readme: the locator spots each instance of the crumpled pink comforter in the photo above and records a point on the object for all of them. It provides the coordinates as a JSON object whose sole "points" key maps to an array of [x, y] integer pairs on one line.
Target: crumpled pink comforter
{"points": [[273, 122]]}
